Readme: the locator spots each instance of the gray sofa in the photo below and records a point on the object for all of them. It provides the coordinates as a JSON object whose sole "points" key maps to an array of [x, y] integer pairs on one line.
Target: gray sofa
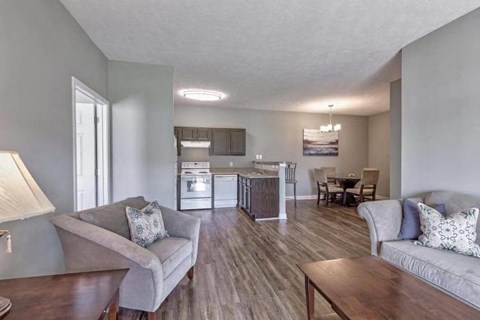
{"points": [[451, 272], [103, 243]]}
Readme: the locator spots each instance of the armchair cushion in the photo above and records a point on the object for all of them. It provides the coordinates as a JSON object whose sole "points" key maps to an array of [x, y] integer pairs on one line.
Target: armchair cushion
{"points": [[112, 216], [171, 252], [146, 225]]}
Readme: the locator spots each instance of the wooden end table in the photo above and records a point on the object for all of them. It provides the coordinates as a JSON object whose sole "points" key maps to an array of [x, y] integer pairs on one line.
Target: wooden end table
{"points": [[75, 296], [370, 288]]}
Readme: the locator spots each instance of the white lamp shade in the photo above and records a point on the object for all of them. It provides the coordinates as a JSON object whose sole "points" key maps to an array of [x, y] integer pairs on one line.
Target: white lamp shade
{"points": [[20, 196]]}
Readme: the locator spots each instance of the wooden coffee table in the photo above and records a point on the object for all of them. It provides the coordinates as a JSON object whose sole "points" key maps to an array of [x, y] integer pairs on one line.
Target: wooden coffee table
{"points": [[370, 288], [79, 296]]}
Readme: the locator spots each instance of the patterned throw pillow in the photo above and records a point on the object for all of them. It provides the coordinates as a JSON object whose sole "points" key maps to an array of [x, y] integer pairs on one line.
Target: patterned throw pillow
{"points": [[456, 232], [146, 225]]}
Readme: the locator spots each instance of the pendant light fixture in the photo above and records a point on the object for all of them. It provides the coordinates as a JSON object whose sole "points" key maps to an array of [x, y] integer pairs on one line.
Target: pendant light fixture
{"points": [[329, 127]]}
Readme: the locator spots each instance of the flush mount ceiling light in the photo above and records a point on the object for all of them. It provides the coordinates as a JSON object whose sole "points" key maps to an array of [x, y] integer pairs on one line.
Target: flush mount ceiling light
{"points": [[329, 127], [202, 95]]}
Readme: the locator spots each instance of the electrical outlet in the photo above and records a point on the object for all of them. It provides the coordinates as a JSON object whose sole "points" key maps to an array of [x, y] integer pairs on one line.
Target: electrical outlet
{"points": [[231, 163]]}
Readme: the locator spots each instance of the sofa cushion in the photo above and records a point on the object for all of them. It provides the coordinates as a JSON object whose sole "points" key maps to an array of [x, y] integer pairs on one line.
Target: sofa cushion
{"points": [[454, 202], [112, 216], [450, 271], [171, 251], [146, 225], [457, 232]]}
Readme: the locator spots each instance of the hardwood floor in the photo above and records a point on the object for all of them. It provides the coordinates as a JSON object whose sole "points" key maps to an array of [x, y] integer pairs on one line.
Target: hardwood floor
{"points": [[247, 270]]}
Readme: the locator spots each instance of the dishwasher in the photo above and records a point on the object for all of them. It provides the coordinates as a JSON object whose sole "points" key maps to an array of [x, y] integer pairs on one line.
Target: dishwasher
{"points": [[225, 191]]}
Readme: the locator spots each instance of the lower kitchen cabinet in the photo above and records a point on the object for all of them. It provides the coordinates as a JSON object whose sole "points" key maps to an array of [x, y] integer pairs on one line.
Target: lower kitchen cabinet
{"points": [[258, 197]]}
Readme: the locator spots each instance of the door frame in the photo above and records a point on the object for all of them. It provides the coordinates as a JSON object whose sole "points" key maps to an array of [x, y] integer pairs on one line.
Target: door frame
{"points": [[105, 170]]}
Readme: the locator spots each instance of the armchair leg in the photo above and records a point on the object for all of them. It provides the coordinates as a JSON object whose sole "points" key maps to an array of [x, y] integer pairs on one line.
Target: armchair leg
{"points": [[152, 316], [190, 274]]}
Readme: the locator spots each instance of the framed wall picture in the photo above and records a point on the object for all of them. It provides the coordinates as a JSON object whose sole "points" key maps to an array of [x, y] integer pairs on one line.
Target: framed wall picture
{"points": [[317, 143]]}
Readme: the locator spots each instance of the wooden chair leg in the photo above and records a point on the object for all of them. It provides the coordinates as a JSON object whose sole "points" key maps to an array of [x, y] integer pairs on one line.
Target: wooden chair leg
{"points": [[295, 193], [327, 196], [151, 316], [318, 198], [191, 272]]}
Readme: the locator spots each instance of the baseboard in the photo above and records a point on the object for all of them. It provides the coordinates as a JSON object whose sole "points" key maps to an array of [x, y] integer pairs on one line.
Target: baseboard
{"points": [[314, 197], [307, 197]]}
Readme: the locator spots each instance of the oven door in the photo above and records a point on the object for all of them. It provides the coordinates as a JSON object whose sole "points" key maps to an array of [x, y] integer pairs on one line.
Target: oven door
{"points": [[196, 186]]}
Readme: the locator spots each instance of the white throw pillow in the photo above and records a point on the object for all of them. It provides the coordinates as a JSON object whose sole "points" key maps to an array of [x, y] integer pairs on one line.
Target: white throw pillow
{"points": [[456, 232], [146, 225]]}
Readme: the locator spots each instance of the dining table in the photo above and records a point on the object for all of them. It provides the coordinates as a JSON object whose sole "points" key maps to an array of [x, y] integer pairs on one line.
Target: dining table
{"points": [[345, 182]]}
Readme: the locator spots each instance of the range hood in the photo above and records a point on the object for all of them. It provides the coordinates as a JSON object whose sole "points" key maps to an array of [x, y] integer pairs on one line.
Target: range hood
{"points": [[195, 144]]}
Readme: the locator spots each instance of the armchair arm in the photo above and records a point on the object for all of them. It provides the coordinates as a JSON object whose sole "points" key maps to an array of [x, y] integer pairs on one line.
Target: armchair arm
{"points": [[179, 224], [87, 247], [108, 240], [384, 220]]}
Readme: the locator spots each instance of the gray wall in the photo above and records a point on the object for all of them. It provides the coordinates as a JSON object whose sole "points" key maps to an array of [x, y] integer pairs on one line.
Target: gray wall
{"points": [[396, 139], [441, 108], [278, 136], [379, 150], [42, 47], [143, 153]]}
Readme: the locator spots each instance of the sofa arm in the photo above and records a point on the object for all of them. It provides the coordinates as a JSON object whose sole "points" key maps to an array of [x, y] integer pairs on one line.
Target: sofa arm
{"points": [[384, 219], [179, 224], [109, 240]]}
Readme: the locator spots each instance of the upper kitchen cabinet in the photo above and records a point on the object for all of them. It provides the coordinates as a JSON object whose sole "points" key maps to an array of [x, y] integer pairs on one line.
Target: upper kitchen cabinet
{"points": [[220, 142], [228, 142], [238, 139], [195, 134], [202, 134]]}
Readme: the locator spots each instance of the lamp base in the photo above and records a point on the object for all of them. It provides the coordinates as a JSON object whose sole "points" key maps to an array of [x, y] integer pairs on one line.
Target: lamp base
{"points": [[5, 305]]}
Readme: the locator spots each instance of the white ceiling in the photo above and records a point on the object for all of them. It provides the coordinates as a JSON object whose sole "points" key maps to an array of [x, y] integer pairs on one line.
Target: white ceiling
{"points": [[293, 55]]}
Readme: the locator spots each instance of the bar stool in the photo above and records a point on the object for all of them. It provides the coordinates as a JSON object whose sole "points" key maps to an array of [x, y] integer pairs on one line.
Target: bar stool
{"points": [[290, 178]]}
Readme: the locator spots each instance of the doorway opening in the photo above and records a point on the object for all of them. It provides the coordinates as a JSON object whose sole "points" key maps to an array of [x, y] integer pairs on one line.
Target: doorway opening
{"points": [[91, 128]]}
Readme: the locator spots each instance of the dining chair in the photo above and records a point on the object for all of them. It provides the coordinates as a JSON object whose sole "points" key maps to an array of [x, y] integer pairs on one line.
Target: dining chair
{"points": [[331, 173], [290, 178], [324, 186], [368, 185]]}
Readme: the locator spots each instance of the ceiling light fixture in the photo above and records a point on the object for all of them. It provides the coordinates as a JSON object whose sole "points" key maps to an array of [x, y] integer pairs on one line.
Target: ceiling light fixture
{"points": [[202, 95], [329, 127]]}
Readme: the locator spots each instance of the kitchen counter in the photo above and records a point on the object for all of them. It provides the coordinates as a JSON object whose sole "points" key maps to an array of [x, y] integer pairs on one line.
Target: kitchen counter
{"points": [[232, 170], [250, 173], [258, 175]]}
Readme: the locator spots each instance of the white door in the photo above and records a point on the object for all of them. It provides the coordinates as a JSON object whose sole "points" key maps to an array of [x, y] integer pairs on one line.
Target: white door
{"points": [[86, 158], [91, 143]]}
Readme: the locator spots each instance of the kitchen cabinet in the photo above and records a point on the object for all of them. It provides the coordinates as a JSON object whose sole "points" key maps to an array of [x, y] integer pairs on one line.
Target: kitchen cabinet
{"points": [[220, 143], [228, 142], [195, 134], [258, 197], [202, 134], [238, 142], [224, 141]]}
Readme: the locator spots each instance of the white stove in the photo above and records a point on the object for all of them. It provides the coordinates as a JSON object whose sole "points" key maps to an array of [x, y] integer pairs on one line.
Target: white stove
{"points": [[195, 168], [195, 186]]}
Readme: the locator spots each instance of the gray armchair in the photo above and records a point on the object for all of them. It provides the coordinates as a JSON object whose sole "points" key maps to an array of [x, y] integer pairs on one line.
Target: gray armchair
{"points": [[103, 243]]}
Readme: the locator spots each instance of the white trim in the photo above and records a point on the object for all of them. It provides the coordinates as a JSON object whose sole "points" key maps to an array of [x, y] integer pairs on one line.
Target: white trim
{"points": [[314, 197], [80, 86], [307, 197], [267, 219]]}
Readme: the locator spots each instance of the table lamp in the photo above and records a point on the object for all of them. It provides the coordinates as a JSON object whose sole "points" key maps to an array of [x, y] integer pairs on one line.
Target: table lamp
{"points": [[20, 198]]}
